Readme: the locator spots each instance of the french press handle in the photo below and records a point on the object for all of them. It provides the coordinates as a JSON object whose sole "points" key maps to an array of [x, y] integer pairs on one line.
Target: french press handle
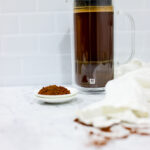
{"points": [[130, 18]]}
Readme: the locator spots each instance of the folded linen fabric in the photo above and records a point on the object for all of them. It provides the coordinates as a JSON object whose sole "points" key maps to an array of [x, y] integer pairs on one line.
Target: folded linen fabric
{"points": [[127, 98]]}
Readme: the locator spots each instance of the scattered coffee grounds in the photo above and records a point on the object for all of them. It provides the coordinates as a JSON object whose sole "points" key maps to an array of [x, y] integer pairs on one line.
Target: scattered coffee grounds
{"points": [[100, 143], [82, 123], [99, 139], [91, 133], [131, 130], [54, 90], [125, 137], [108, 129], [103, 136], [138, 131]]}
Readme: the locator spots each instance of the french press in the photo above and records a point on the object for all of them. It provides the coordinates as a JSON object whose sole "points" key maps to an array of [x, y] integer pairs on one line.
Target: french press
{"points": [[94, 43]]}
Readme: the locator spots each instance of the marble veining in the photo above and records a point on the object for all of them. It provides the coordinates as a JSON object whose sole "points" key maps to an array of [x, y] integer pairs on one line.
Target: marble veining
{"points": [[28, 124]]}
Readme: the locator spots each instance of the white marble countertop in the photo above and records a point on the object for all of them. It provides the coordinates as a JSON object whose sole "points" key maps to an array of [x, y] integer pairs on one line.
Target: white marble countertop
{"points": [[27, 124]]}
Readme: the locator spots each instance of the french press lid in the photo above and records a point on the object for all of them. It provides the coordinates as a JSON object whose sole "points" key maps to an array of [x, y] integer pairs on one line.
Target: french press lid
{"points": [[78, 3]]}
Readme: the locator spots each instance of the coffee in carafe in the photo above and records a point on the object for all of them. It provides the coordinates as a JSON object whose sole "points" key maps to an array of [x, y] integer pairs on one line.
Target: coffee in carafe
{"points": [[94, 43], [93, 31]]}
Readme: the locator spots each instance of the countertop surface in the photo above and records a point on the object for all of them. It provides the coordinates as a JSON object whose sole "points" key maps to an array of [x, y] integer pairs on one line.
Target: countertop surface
{"points": [[28, 124]]}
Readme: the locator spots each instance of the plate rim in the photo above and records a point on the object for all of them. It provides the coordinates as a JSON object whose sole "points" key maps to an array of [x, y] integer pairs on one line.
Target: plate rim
{"points": [[57, 100]]}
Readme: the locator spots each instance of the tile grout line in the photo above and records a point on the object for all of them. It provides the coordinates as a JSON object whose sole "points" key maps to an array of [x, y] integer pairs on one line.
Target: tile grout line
{"points": [[38, 44], [19, 25], [37, 5]]}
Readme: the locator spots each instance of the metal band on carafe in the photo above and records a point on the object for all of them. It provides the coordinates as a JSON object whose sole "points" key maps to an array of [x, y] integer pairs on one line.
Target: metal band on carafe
{"points": [[82, 6], [78, 3]]}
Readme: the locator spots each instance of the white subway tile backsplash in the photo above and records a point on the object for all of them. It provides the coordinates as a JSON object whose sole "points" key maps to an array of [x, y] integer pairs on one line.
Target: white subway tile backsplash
{"points": [[46, 65], [19, 45], [35, 45], [146, 40], [143, 55], [142, 21], [0, 46], [147, 4], [10, 67], [36, 23], [46, 80], [123, 41], [129, 4], [63, 22], [145, 52], [55, 44], [7, 6], [122, 46], [121, 23], [12, 80], [8, 24], [56, 5]]}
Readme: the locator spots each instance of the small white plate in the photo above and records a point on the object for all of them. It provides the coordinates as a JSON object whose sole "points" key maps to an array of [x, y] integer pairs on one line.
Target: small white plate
{"points": [[57, 98]]}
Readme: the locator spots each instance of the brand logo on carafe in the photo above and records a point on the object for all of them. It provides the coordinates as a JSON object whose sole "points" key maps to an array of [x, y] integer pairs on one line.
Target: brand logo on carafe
{"points": [[92, 81]]}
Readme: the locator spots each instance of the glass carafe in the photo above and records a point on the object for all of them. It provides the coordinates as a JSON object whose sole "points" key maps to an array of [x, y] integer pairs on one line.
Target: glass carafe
{"points": [[93, 43]]}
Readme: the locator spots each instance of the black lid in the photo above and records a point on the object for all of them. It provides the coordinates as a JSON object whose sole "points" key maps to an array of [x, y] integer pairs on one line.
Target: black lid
{"points": [[93, 3]]}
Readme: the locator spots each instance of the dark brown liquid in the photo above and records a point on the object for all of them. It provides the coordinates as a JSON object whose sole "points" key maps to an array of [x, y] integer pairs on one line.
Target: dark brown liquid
{"points": [[93, 48]]}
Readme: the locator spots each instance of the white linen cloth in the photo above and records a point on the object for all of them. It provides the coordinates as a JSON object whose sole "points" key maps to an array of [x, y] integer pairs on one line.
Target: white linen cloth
{"points": [[127, 98]]}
